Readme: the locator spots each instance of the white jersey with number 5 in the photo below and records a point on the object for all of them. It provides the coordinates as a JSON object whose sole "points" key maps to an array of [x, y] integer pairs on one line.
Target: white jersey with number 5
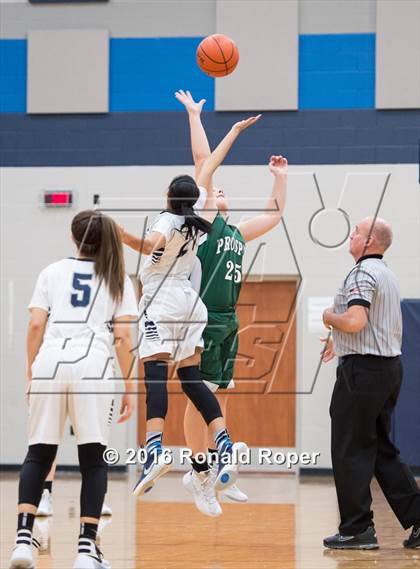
{"points": [[78, 303]]}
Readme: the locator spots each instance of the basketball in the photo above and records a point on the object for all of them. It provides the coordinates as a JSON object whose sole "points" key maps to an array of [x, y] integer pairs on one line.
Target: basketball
{"points": [[217, 55]]}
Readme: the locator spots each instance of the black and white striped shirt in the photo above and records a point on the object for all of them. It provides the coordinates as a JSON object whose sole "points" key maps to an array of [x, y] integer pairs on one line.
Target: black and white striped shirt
{"points": [[372, 284]]}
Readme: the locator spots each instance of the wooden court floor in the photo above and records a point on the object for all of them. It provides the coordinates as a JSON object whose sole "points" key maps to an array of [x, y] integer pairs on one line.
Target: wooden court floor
{"points": [[281, 527]]}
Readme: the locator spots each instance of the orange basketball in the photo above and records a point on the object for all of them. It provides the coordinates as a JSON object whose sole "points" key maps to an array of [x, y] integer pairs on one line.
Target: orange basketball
{"points": [[217, 55]]}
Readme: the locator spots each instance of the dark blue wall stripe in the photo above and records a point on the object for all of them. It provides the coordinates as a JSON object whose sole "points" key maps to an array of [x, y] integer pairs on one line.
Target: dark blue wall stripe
{"points": [[145, 72], [12, 76], [337, 71], [305, 137]]}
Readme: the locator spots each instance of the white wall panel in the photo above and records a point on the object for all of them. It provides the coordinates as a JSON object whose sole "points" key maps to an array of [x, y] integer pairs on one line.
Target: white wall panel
{"points": [[398, 54], [68, 71], [266, 32], [32, 238], [337, 16], [123, 18]]}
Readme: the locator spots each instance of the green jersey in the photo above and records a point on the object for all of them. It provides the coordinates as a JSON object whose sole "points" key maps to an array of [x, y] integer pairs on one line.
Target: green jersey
{"points": [[221, 256]]}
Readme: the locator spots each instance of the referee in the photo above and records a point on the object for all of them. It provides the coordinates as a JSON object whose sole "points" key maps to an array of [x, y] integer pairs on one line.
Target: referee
{"points": [[366, 328]]}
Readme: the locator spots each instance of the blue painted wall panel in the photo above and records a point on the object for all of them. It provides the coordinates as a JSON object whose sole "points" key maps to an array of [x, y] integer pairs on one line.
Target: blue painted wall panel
{"points": [[13, 76], [145, 72], [337, 71]]}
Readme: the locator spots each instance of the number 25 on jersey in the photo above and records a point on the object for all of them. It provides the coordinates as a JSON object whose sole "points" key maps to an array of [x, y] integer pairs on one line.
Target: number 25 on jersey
{"points": [[233, 272]]}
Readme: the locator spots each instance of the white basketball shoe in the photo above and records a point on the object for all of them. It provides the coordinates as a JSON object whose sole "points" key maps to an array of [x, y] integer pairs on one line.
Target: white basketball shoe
{"points": [[22, 554], [90, 556], [201, 486], [106, 510], [45, 507], [228, 467]]}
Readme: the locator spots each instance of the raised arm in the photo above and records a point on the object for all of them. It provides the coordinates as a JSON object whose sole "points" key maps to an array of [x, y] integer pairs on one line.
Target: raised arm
{"points": [[199, 144], [261, 224], [219, 153], [210, 165]]}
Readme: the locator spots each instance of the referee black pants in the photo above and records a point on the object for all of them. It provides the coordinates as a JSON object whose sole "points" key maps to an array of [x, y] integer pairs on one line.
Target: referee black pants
{"points": [[364, 396]]}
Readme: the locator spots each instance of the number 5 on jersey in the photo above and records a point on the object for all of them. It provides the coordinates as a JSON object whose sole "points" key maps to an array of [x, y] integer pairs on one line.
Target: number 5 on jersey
{"points": [[82, 296], [231, 267]]}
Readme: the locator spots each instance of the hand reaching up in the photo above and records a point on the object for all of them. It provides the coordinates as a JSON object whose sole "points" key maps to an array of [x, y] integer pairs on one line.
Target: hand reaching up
{"points": [[190, 105], [278, 165], [242, 125]]}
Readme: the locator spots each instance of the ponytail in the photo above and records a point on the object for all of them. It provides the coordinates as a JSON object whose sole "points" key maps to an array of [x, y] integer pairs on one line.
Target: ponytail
{"points": [[109, 260], [96, 235], [194, 223], [182, 195]]}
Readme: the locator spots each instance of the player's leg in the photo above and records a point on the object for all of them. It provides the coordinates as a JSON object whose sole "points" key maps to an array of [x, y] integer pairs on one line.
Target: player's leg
{"points": [[203, 399], [34, 470], [157, 463], [200, 480], [94, 471], [228, 353], [45, 507], [206, 403], [195, 429], [47, 414], [90, 407], [155, 350]]}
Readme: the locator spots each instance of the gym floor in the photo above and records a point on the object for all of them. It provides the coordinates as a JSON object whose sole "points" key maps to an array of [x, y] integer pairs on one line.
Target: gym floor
{"points": [[281, 527]]}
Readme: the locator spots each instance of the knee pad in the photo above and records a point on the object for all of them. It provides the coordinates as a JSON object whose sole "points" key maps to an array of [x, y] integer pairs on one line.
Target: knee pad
{"points": [[91, 456], [35, 468], [94, 472], [155, 378], [203, 399]]}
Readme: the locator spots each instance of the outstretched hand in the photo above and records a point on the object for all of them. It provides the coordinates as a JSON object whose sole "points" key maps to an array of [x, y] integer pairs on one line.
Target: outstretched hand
{"points": [[190, 105], [242, 125], [278, 165]]}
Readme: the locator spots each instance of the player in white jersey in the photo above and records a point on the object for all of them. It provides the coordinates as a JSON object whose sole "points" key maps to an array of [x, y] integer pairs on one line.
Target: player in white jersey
{"points": [[173, 317], [80, 307]]}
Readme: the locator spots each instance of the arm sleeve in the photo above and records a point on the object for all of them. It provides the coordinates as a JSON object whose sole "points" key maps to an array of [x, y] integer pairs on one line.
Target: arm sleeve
{"points": [[199, 204], [360, 288], [40, 295], [164, 224], [195, 276], [128, 305]]}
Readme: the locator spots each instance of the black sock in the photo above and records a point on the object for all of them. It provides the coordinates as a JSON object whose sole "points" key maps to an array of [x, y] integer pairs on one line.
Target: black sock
{"points": [[26, 521], [213, 454], [200, 466], [48, 486], [88, 530]]}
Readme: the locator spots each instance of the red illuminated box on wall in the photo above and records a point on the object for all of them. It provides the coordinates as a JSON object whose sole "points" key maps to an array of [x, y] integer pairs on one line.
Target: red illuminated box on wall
{"points": [[57, 198]]}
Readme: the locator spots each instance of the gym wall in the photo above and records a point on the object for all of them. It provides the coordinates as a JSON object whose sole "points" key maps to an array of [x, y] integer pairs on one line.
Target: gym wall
{"points": [[339, 129]]}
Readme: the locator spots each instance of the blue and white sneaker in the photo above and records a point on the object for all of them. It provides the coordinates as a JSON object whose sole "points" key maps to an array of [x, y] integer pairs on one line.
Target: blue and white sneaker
{"points": [[229, 465], [157, 464]]}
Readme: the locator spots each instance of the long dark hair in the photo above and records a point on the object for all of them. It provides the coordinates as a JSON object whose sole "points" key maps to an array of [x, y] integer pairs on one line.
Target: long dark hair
{"points": [[183, 192], [96, 236]]}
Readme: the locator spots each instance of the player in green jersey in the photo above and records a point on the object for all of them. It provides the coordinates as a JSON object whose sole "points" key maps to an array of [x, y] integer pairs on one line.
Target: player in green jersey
{"points": [[218, 276]]}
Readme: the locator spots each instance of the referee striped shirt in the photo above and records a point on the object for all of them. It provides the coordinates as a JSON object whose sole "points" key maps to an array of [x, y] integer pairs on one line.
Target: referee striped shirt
{"points": [[372, 284]]}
